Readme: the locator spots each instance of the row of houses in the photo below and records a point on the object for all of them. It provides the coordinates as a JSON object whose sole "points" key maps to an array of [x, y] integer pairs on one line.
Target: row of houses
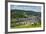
{"points": [[30, 20]]}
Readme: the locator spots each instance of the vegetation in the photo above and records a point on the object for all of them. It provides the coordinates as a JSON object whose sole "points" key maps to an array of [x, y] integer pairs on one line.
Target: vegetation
{"points": [[24, 14]]}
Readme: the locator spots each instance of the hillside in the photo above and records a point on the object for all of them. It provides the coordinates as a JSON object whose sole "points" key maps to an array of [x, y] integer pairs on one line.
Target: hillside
{"points": [[19, 19], [23, 13]]}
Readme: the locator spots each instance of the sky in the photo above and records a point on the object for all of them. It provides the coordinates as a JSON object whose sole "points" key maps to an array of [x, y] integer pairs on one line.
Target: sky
{"points": [[26, 7]]}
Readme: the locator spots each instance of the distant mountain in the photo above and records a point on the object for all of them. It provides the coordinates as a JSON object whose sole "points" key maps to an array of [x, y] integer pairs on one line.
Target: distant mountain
{"points": [[27, 12]]}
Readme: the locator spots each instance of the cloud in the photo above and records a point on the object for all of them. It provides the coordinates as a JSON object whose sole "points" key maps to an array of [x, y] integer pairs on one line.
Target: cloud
{"points": [[27, 8]]}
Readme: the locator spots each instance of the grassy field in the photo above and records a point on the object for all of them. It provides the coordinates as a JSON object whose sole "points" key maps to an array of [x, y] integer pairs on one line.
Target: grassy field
{"points": [[29, 26], [14, 25]]}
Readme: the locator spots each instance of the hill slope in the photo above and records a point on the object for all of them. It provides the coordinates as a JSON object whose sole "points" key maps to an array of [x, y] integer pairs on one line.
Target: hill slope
{"points": [[22, 13]]}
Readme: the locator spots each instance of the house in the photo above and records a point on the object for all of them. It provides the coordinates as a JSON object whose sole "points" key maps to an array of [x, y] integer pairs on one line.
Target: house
{"points": [[30, 20]]}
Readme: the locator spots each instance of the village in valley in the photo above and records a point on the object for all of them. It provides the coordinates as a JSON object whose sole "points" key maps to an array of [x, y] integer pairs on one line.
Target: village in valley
{"points": [[25, 19]]}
